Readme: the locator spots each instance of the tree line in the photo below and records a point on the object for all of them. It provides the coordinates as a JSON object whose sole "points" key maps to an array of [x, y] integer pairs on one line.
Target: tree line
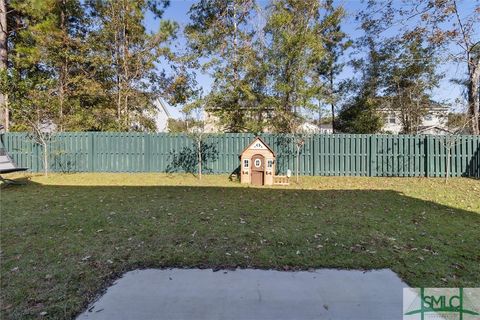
{"points": [[93, 65]]}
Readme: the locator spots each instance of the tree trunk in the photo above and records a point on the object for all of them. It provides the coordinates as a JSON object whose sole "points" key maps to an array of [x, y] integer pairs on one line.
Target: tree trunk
{"points": [[7, 114], [332, 97], [333, 118], [3, 60], [119, 102], [45, 158], [63, 67], [40, 140], [449, 152], [125, 62], [474, 94], [319, 112], [235, 59], [116, 48], [297, 162], [199, 158]]}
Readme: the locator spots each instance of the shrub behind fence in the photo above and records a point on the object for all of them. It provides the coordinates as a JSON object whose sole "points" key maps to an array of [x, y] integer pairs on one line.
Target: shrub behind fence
{"points": [[322, 154]]}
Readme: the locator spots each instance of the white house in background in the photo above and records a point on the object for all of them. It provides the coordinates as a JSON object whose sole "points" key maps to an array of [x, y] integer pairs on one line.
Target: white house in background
{"points": [[211, 122], [313, 128], [212, 125], [162, 115], [434, 122], [326, 128], [309, 127]]}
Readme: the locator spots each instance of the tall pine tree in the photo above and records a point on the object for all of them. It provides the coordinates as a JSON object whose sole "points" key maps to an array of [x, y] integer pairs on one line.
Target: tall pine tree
{"points": [[221, 39], [127, 58], [335, 43], [295, 48], [410, 78]]}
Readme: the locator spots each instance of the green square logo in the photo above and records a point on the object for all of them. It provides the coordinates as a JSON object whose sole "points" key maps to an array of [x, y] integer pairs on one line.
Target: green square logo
{"points": [[441, 303]]}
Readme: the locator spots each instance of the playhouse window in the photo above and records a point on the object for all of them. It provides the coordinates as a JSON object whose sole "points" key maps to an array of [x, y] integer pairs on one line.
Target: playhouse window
{"points": [[270, 164], [246, 163], [258, 163]]}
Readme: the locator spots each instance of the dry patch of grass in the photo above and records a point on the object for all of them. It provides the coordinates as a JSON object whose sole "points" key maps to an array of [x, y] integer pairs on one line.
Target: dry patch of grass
{"points": [[64, 237]]}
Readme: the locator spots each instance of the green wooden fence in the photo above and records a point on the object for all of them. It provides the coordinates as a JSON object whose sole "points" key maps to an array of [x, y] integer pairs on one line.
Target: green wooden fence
{"points": [[322, 154]]}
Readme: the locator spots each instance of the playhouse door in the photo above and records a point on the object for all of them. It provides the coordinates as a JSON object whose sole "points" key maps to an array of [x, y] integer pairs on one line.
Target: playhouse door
{"points": [[258, 169]]}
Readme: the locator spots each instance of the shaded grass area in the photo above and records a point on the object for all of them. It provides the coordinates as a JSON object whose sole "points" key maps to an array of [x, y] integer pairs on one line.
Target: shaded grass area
{"points": [[63, 238]]}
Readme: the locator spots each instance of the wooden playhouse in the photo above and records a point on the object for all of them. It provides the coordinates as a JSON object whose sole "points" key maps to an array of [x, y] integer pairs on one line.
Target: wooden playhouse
{"points": [[257, 165]]}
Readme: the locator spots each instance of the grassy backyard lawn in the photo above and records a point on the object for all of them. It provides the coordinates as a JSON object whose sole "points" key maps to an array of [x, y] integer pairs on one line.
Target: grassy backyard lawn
{"points": [[65, 237]]}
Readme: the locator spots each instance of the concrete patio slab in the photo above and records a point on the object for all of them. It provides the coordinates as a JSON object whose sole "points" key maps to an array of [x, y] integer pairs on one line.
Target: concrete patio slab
{"points": [[246, 294]]}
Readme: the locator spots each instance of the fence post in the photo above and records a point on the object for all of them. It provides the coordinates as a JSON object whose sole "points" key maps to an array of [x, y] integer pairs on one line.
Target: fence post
{"points": [[427, 158], [312, 156], [147, 153], [91, 152], [38, 161], [373, 156]]}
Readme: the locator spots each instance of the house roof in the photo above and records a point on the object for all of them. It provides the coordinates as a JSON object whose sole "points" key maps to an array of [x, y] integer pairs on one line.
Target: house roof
{"points": [[432, 106], [262, 141], [325, 126], [435, 127], [307, 126], [160, 104]]}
